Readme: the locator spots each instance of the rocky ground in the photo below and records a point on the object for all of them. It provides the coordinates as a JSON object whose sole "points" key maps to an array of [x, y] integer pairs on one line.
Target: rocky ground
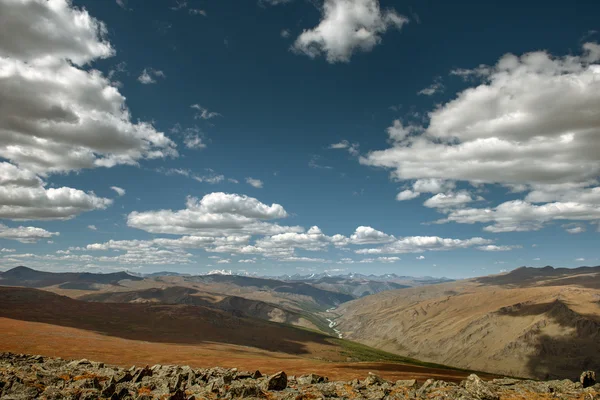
{"points": [[27, 377]]}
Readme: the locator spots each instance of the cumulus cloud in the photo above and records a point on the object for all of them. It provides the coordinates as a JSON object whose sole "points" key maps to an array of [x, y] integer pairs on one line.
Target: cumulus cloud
{"points": [[24, 197], [24, 234], [407, 195], [216, 213], [521, 216], [257, 183], [532, 120], [347, 26], [149, 75], [528, 123], [56, 116], [448, 200], [118, 190], [92, 227], [418, 244]]}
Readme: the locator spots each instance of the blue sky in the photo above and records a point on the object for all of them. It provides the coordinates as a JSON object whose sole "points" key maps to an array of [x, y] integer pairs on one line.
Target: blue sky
{"points": [[281, 137]]}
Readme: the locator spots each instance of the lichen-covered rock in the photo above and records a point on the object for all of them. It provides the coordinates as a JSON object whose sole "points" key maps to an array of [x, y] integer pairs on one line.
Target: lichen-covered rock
{"points": [[25, 377], [479, 389]]}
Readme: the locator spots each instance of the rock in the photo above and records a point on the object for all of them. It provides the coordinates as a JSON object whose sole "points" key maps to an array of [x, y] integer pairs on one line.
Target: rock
{"points": [[475, 386], [588, 378], [373, 379], [141, 374], [277, 381], [245, 390], [409, 383], [505, 381], [311, 379], [256, 374]]}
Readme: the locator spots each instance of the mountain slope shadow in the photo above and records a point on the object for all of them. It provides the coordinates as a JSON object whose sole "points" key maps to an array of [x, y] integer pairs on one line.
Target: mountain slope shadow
{"points": [[557, 356], [180, 324]]}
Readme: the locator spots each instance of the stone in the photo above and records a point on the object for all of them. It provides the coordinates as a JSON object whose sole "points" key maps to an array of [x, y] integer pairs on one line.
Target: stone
{"points": [[311, 379], [588, 378], [277, 381], [479, 388], [373, 379], [408, 383], [256, 374]]}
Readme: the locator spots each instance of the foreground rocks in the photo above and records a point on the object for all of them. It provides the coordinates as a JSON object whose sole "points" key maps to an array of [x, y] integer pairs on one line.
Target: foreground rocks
{"points": [[28, 377]]}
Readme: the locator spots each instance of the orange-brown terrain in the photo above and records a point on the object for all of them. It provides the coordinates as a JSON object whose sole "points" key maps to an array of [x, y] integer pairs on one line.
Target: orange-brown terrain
{"points": [[40, 322], [539, 323]]}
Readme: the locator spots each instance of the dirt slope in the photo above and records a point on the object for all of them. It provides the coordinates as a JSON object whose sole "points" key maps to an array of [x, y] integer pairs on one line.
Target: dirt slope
{"points": [[521, 330], [181, 295]]}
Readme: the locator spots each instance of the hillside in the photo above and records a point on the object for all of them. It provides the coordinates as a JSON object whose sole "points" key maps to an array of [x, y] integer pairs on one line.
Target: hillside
{"points": [[40, 322], [27, 277], [238, 306], [533, 322]]}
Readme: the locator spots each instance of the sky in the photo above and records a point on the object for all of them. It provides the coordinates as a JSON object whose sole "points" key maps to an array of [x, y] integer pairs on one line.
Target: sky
{"points": [[277, 137]]}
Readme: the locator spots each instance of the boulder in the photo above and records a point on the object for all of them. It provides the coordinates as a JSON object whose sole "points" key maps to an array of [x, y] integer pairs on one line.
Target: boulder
{"points": [[277, 381], [588, 378], [478, 388]]}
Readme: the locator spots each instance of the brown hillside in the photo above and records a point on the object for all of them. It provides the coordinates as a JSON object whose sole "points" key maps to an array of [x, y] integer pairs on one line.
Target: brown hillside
{"points": [[522, 330]]}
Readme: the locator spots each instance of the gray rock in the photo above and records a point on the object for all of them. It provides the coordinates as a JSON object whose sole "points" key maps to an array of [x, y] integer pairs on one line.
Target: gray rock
{"points": [[373, 379], [407, 383], [311, 379], [475, 386]]}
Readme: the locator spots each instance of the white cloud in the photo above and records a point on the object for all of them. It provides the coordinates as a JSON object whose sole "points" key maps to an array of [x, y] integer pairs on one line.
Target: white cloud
{"points": [[352, 148], [417, 244], [37, 31], [197, 11], [532, 120], [574, 228], [257, 183], [25, 234], [216, 213], [120, 191], [367, 235], [24, 197], [212, 179], [521, 216], [247, 261], [193, 141], [149, 76], [5, 250], [580, 259], [529, 123], [436, 87], [432, 185], [347, 26], [420, 257], [407, 195], [203, 113], [448, 200], [92, 227], [493, 247], [285, 33], [224, 261], [56, 116]]}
